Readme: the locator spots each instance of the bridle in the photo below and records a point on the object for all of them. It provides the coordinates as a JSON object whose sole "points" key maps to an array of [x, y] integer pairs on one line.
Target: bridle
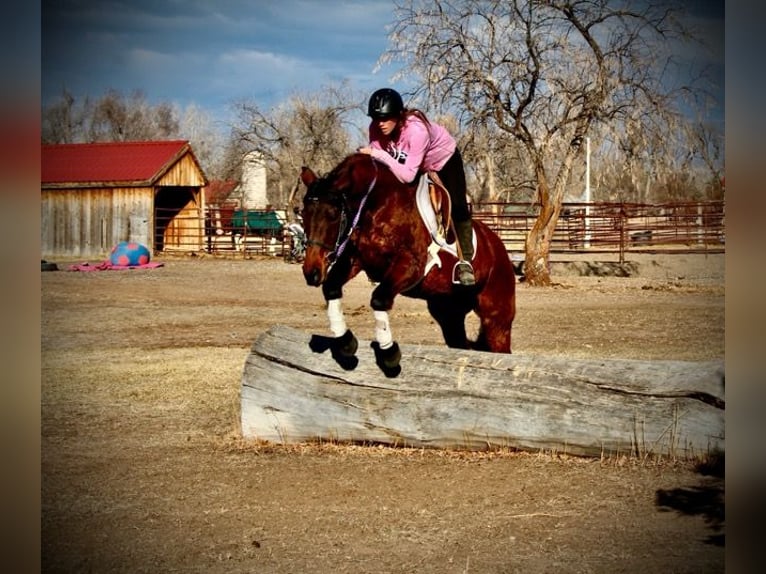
{"points": [[343, 219], [344, 229]]}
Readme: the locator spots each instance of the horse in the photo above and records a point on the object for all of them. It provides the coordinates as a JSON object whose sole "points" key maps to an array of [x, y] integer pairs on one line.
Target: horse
{"points": [[360, 217]]}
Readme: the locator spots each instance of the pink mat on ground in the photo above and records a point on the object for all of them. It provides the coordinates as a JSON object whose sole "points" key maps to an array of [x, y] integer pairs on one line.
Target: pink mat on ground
{"points": [[107, 266]]}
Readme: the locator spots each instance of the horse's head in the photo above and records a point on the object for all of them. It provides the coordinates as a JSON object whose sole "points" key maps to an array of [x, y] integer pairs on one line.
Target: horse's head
{"points": [[329, 206], [324, 215]]}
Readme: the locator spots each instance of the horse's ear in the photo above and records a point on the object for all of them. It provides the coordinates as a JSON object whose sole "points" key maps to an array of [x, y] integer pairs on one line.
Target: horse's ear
{"points": [[308, 176]]}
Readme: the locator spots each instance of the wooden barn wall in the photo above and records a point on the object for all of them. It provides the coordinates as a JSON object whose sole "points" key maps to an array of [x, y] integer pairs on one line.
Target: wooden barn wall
{"points": [[185, 172], [89, 222]]}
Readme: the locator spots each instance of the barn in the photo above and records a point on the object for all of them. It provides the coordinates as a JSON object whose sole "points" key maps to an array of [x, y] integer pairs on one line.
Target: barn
{"points": [[97, 194]]}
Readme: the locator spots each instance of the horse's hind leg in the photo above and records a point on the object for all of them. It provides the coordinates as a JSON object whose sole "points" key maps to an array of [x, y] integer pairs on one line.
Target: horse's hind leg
{"points": [[496, 318], [387, 352], [450, 315], [494, 337]]}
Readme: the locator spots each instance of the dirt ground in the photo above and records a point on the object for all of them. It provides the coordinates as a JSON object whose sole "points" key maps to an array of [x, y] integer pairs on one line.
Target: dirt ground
{"points": [[144, 470]]}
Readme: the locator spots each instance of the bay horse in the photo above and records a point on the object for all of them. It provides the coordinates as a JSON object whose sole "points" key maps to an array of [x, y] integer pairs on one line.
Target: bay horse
{"points": [[360, 217]]}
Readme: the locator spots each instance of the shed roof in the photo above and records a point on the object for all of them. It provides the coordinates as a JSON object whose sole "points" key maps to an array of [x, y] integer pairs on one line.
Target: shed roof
{"points": [[218, 190], [134, 162]]}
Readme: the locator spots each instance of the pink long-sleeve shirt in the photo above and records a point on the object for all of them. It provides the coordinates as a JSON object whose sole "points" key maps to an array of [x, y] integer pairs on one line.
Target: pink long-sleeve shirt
{"points": [[417, 147]]}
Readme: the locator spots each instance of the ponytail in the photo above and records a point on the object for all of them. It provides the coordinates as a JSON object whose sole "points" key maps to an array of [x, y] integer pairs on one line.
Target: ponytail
{"points": [[418, 114]]}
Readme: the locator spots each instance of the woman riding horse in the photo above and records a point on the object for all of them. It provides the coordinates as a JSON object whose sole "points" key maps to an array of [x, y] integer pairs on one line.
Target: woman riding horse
{"points": [[360, 217], [408, 143]]}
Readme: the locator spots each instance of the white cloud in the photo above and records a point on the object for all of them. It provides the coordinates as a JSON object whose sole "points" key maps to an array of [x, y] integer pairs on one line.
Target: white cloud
{"points": [[256, 59]]}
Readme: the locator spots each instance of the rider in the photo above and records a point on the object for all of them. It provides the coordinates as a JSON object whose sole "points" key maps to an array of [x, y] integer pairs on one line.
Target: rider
{"points": [[408, 143]]}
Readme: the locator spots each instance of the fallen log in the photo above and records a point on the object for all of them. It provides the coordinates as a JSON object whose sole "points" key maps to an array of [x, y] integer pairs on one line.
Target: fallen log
{"points": [[456, 399]]}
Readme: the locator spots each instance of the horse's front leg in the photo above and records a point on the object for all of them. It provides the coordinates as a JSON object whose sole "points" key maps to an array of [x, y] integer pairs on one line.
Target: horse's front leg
{"points": [[387, 352], [345, 344]]}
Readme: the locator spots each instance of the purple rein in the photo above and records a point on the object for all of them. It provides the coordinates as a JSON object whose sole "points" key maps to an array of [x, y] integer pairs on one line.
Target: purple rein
{"points": [[341, 245]]}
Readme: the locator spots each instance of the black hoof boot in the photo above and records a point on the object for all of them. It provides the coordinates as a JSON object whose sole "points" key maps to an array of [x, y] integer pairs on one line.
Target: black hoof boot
{"points": [[388, 359], [343, 350]]}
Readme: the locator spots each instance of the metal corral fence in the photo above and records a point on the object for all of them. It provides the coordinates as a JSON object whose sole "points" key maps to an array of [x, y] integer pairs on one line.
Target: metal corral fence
{"points": [[618, 228], [608, 228], [226, 231]]}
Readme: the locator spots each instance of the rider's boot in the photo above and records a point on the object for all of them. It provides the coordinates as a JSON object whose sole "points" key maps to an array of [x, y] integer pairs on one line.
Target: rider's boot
{"points": [[464, 232]]}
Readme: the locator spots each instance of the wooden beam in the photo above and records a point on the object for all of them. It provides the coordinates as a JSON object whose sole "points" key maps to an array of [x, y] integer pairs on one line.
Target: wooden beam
{"points": [[455, 399]]}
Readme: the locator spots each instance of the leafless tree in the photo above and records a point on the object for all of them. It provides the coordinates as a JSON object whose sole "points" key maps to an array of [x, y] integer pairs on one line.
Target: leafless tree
{"points": [[708, 146], [208, 141], [497, 164], [544, 72], [309, 129], [116, 117], [683, 164], [112, 117], [64, 120]]}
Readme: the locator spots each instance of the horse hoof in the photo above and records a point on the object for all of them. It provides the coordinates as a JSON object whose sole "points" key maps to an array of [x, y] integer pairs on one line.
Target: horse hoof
{"points": [[343, 350], [320, 343], [388, 359], [346, 344]]}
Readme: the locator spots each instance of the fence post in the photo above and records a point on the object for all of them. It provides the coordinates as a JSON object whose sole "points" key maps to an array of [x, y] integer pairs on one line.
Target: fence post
{"points": [[586, 243], [622, 215]]}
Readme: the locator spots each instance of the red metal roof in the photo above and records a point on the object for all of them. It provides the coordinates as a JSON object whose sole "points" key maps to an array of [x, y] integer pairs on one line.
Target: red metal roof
{"points": [[109, 162], [218, 190]]}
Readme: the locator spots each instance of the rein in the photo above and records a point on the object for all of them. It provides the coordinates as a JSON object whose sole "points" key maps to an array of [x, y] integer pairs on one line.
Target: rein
{"points": [[344, 234]]}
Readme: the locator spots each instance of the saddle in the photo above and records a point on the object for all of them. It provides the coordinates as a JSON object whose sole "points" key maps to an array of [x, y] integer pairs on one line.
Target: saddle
{"points": [[441, 203], [435, 207]]}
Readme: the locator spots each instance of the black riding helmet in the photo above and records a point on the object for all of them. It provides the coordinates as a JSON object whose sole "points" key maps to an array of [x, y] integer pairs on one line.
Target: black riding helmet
{"points": [[385, 103]]}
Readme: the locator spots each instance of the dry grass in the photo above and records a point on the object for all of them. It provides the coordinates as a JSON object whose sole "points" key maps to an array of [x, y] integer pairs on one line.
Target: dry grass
{"points": [[143, 468], [234, 443]]}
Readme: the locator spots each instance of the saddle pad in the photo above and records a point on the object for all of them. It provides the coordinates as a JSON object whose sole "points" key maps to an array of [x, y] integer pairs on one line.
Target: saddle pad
{"points": [[429, 217]]}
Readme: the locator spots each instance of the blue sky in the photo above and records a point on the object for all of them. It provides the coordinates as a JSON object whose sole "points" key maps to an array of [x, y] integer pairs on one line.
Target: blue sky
{"points": [[212, 52]]}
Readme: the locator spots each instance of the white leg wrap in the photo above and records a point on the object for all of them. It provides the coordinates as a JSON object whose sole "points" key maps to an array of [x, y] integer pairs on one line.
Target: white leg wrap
{"points": [[337, 320], [383, 330]]}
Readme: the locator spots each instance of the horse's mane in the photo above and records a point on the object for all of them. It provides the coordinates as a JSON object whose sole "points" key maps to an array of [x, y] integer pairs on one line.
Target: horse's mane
{"points": [[356, 172], [353, 178]]}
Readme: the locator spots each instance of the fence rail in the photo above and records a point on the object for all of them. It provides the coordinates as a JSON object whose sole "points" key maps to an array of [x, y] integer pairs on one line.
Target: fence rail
{"points": [[620, 228], [611, 228]]}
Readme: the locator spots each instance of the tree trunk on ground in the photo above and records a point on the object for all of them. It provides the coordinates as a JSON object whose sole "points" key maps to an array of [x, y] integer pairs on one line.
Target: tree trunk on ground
{"points": [[450, 398]]}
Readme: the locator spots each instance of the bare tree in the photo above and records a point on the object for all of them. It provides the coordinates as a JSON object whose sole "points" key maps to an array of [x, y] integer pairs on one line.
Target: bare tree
{"points": [[115, 117], [112, 117], [64, 120], [309, 129], [208, 141], [708, 146], [497, 164], [545, 72], [685, 164]]}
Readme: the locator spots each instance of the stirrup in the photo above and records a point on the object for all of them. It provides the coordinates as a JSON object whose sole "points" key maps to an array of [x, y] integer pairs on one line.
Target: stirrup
{"points": [[462, 274]]}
